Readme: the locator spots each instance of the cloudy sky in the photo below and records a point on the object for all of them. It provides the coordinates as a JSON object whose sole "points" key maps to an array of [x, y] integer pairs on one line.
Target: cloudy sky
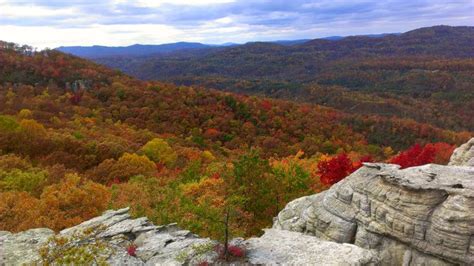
{"points": [[52, 23]]}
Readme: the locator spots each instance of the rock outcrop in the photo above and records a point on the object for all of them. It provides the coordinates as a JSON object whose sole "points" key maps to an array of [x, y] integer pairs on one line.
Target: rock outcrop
{"points": [[169, 245], [464, 155], [419, 215], [155, 245]]}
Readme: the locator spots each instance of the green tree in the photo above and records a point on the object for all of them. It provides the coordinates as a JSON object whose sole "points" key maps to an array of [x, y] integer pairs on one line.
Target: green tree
{"points": [[251, 183], [31, 181]]}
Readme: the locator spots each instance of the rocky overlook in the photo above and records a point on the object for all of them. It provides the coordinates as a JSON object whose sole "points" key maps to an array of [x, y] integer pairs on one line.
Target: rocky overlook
{"points": [[419, 215], [115, 232], [380, 214]]}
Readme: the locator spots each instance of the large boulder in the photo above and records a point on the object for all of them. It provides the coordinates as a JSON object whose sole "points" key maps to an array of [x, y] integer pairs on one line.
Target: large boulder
{"points": [[418, 215], [464, 155]]}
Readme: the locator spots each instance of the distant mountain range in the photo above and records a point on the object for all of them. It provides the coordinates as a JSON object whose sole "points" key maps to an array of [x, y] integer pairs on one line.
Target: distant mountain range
{"points": [[98, 51], [133, 50]]}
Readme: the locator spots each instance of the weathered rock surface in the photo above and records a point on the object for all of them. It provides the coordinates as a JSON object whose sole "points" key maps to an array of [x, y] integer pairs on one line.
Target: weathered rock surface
{"points": [[464, 155], [419, 215], [155, 245], [291, 248], [169, 245], [22, 248]]}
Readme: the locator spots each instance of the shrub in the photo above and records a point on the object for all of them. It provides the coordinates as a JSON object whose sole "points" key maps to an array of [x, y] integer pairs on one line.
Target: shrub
{"points": [[131, 250], [236, 251]]}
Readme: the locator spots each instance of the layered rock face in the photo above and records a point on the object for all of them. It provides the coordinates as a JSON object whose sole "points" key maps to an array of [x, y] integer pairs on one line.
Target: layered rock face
{"points": [[419, 215]]}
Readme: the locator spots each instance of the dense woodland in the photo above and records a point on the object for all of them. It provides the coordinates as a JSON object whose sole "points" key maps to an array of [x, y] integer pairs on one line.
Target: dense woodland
{"points": [[425, 74], [77, 138]]}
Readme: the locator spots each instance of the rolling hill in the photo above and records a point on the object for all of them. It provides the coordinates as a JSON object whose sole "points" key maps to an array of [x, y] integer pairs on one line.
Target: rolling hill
{"points": [[424, 74]]}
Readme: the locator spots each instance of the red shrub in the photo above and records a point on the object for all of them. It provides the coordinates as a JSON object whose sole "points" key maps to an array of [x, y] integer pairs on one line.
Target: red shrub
{"points": [[131, 250], [236, 251]]}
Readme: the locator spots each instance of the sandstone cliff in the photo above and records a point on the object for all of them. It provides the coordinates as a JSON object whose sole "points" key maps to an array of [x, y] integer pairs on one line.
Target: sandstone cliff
{"points": [[420, 215]]}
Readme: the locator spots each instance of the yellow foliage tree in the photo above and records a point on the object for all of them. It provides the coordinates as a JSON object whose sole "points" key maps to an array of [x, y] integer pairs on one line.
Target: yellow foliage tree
{"points": [[18, 211], [25, 114], [158, 150], [121, 170], [32, 129], [71, 202]]}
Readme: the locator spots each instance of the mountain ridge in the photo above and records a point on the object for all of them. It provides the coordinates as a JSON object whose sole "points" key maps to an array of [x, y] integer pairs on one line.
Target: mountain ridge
{"points": [[99, 51]]}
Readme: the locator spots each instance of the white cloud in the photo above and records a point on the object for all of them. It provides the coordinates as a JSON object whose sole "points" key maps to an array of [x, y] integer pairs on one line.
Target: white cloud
{"points": [[224, 20], [158, 3], [52, 23], [31, 11], [111, 35]]}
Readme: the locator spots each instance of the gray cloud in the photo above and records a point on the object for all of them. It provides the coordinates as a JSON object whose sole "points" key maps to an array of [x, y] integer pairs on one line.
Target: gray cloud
{"points": [[242, 19]]}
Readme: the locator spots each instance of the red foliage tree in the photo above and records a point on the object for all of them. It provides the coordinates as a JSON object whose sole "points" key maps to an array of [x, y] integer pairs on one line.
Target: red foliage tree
{"points": [[443, 152], [415, 155], [266, 105], [337, 168], [212, 133], [364, 159]]}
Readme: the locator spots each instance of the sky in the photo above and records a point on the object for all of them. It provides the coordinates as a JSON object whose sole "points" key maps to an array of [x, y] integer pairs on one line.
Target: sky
{"points": [[53, 23]]}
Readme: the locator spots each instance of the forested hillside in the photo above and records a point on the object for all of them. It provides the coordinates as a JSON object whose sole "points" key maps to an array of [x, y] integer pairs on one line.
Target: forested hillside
{"points": [[77, 138], [425, 74]]}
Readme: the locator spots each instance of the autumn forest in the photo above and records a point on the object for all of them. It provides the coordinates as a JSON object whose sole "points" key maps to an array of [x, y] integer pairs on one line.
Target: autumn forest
{"points": [[78, 138]]}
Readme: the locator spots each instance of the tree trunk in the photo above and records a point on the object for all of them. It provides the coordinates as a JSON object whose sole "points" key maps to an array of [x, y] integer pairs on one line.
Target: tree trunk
{"points": [[226, 235]]}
